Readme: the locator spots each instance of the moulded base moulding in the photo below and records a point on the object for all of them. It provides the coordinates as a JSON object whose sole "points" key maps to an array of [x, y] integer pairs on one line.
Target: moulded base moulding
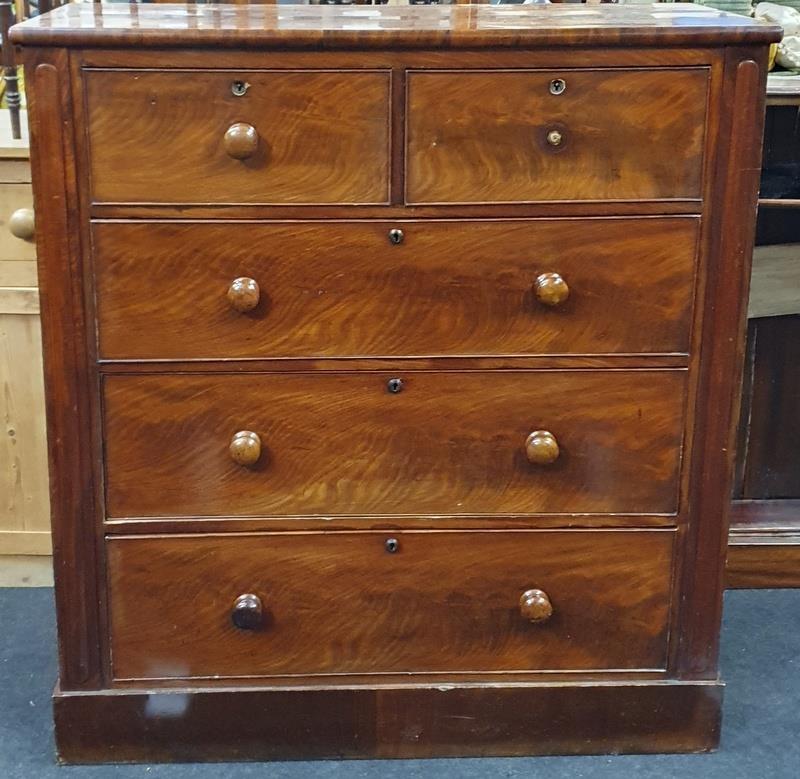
{"points": [[764, 544], [763, 560], [397, 721]]}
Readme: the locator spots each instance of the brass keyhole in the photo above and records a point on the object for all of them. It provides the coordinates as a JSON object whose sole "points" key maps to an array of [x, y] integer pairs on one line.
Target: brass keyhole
{"points": [[391, 545], [396, 236], [239, 88], [394, 386], [557, 86]]}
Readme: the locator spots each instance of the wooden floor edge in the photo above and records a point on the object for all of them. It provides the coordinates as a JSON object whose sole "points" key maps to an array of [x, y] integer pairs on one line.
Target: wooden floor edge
{"points": [[411, 721], [762, 560]]}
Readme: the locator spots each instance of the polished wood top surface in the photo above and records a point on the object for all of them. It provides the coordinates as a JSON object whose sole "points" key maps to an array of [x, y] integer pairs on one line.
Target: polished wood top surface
{"points": [[468, 25]]}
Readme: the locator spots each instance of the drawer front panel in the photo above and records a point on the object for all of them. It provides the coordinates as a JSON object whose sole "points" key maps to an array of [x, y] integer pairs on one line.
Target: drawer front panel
{"points": [[340, 603], [342, 289], [300, 136], [344, 444], [503, 136]]}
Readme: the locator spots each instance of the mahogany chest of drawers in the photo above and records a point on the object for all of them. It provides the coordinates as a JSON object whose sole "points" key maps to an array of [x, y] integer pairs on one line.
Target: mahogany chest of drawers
{"points": [[391, 358]]}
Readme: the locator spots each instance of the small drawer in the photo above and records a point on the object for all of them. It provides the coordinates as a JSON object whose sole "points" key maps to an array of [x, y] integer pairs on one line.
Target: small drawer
{"points": [[442, 288], [555, 135], [342, 603], [331, 443], [255, 136]]}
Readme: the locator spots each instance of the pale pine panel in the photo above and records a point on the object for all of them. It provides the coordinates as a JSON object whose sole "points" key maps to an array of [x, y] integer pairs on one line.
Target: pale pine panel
{"points": [[24, 499], [18, 273]]}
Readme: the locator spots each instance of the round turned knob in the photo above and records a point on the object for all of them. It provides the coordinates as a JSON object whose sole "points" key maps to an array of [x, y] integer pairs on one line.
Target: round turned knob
{"points": [[550, 289], [244, 294], [245, 448], [241, 140], [248, 613], [21, 224], [541, 447], [535, 606]]}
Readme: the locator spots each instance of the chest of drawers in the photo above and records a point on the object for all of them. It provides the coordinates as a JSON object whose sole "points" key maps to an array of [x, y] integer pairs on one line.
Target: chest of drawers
{"points": [[391, 356]]}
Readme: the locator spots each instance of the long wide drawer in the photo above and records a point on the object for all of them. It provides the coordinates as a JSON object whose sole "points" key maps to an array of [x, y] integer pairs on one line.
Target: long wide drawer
{"points": [[252, 136], [555, 135], [511, 287], [350, 603], [329, 443]]}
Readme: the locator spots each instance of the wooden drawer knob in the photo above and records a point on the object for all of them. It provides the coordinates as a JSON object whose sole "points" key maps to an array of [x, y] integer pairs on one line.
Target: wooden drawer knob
{"points": [[248, 613], [241, 140], [551, 289], [541, 447], [535, 606], [244, 294], [21, 224], [245, 448]]}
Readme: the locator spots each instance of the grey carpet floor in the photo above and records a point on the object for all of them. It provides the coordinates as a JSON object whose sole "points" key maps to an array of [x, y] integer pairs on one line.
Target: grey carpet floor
{"points": [[760, 738]]}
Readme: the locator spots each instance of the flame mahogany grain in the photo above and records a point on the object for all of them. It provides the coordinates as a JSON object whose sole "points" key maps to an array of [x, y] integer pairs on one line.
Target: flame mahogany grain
{"points": [[339, 443], [482, 136], [339, 603], [346, 113], [341, 289]]}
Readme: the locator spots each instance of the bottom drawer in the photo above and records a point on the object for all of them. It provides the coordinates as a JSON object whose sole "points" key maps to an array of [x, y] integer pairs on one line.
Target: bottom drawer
{"points": [[376, 602]]}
